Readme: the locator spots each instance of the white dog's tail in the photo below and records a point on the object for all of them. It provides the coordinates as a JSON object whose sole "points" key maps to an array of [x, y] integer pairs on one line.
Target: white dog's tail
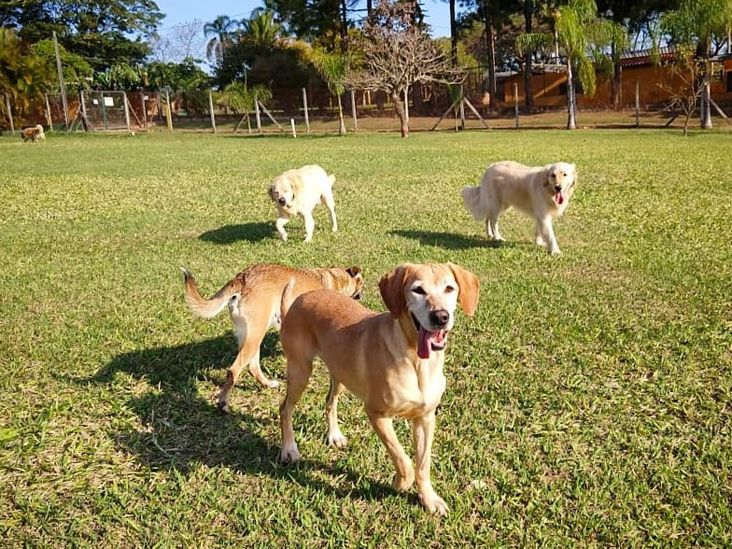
{"points": [[471, 199], [207, 308], [331, 180]]}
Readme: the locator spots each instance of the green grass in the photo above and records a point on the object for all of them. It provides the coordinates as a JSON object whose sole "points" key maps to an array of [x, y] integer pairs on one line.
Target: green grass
{"points": [[589, 401]]}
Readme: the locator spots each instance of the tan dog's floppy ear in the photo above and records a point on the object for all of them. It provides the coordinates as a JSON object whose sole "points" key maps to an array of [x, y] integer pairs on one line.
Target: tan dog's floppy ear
{"points": [[547, 174], [391, 287], [270, 191], [469, 288], [295, 183], [353, 271]]}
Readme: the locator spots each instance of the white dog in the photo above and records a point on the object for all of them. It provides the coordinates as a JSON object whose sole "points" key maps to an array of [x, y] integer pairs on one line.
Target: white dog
{"points": [[542, 192], [298, 192]]}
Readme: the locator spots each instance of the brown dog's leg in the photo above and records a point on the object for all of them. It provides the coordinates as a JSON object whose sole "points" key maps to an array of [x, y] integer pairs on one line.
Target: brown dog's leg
{"points": [[384, 427], [248, 354], [298, 375], [335, 437], [423, 429]]}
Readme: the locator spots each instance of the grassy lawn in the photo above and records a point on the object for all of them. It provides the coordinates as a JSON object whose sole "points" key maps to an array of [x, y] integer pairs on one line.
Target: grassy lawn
{"points": [[589, 401]]}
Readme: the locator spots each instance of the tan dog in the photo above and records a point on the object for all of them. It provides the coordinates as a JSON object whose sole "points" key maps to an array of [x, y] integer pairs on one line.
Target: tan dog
{"points": [[297, 192], [391, 361], [542, 192], [254, 299], [33, 133]]}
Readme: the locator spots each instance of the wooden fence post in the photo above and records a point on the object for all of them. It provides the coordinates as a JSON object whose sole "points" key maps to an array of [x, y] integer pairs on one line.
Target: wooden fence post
{"points": [[462, 109], [127, 112], [10, 114], [168, 114], [637, 104], [49, 118], [353, 111], [61, 84], [256, 115], [515, 104], [292, 125], [406, 103], [211, 110], [84, 119], [104, 111], [143, 100], [305, 108]]}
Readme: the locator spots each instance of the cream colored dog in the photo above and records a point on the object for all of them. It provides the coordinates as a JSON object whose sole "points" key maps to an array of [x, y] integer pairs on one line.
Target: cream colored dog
{"points": [[391, 361], [298, 192], [254, 299], [542, 192]]}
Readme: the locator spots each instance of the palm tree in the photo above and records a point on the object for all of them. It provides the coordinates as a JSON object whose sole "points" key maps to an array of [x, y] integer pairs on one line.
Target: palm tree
{"points": [[261, 29], [582, 37], [220, 29], [695, 25], [333, 68]]}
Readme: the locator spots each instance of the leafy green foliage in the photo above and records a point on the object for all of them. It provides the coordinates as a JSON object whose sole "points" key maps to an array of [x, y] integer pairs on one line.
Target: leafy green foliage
{"points": [[24, 75], [98, 30], [77, 70], [240, 98]]}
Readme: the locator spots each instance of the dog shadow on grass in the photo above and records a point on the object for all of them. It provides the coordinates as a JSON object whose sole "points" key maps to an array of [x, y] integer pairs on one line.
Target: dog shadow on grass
{"points": [[450, 241], [228, 234], [184, 429]]}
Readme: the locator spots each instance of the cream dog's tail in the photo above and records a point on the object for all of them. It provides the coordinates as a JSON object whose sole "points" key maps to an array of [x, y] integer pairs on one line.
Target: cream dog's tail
{"points": [[287, 299], [471, 199], [331, 180], [207, 308]]}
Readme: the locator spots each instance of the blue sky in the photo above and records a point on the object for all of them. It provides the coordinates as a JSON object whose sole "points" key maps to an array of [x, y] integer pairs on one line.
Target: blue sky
{"points": [[178, 11]]}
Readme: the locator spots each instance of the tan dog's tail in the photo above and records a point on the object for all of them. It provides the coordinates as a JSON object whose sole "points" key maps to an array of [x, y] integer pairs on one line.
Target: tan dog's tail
{"points": [[331, 180], [200, 306], [471, 199], [287, 299]]}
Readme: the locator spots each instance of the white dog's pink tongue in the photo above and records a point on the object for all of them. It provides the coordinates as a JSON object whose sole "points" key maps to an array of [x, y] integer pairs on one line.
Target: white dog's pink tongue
{"points": [[558, 197], [424, 343]]}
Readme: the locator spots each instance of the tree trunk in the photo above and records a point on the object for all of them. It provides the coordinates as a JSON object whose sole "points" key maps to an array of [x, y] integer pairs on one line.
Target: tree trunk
{"points": [[453, 34], [344, 26], [490, 42], [617, 76], [571, 122], [401, 113], [528, 92], [341, 122], [369, 7], [706, 123]]}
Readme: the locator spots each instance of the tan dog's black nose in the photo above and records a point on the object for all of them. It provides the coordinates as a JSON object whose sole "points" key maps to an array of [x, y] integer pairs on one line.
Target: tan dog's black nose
{"points": [[439, 318], [282, 201], [557, 188]]}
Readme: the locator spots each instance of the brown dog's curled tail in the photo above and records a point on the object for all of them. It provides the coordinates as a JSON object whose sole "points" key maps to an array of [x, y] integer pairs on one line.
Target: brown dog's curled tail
{"points": [[206, 308]]}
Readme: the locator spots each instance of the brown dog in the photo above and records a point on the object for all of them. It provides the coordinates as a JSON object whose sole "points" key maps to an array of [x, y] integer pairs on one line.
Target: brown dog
{"points": [[391, 361], [33, 133], [254, 298]]}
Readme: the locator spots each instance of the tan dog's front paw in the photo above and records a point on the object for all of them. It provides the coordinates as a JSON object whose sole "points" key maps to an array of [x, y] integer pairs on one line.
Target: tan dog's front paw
{"points": [[290, 454], [555, 252], [403, 483], [434, 504], [337, 440]]}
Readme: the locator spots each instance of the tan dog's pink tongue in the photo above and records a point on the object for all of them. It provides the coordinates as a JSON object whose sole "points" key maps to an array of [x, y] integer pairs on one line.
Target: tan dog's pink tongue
{"points": [[424, 345], [559, 198]]}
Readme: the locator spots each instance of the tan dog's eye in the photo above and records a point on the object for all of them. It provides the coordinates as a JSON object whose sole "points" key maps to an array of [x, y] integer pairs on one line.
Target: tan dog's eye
{"points": [[449, 289], [419, 290], [554, 176], [564, 175]]}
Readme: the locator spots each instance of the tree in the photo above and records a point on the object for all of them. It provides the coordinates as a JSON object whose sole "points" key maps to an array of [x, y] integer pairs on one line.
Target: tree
{"points": [[77, 71], [583, 38], [333, 68], [24, 76], [221, 30], [688, 71], [261, 29], [323, 22], [240, 98], [397, 54], [696, 24], [633, 17], [98, 30]]}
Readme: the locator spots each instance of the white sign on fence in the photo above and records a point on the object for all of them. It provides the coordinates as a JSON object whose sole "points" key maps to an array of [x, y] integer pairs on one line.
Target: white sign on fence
{"points": [[109, 101]]}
